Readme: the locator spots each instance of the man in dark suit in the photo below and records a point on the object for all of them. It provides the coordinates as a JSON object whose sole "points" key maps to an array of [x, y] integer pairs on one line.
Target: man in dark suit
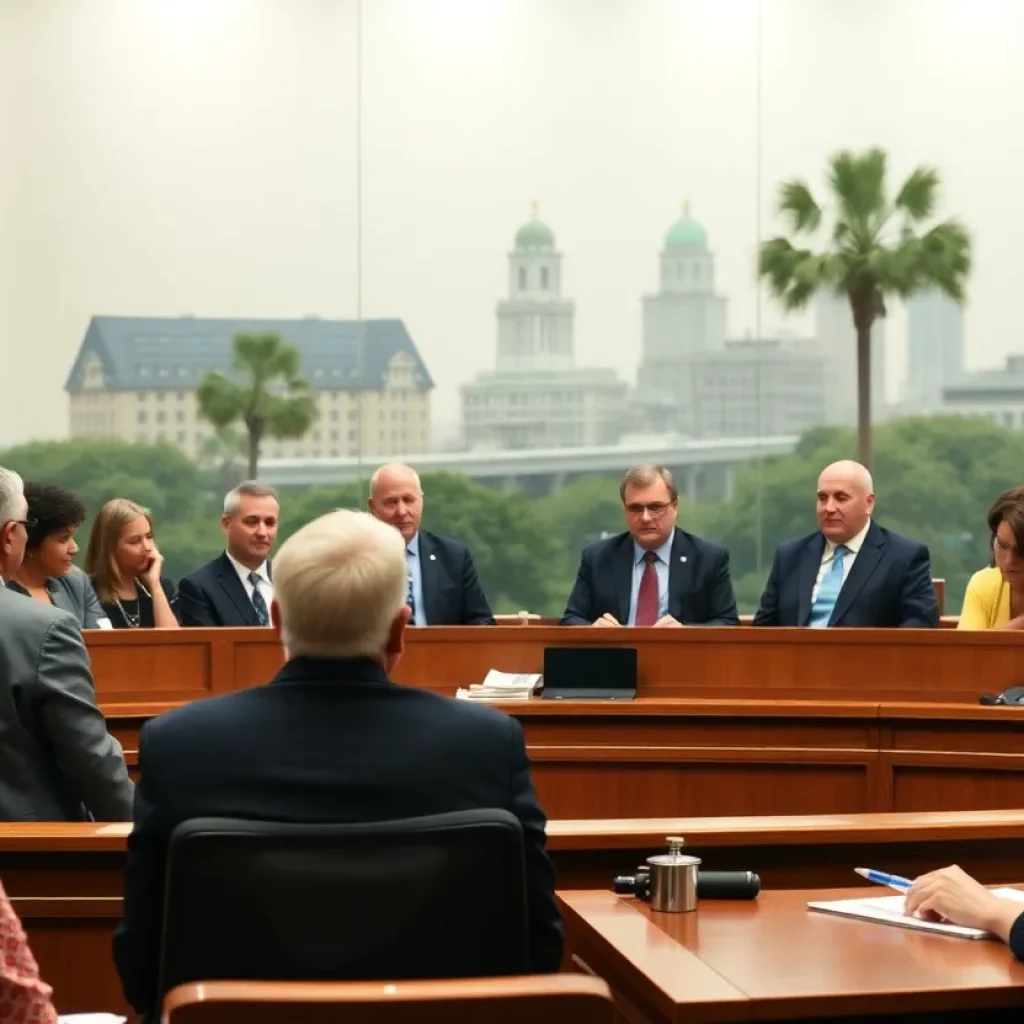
{"points": [[851, 571], [443, 587], [57, 760], [331, 739], [236, 588], [654, 574]]}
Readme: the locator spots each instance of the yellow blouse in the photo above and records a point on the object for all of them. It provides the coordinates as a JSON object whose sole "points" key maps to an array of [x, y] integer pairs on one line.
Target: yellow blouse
{"points": [[987, 601]]}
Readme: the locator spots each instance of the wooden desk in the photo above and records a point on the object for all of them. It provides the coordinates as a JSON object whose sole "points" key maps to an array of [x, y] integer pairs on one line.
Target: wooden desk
{"points": [[66, 880], [773, 960], [728, 721]]}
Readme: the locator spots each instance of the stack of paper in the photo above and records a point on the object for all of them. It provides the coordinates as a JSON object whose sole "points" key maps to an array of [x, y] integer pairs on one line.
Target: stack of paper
{"points": [[889, 910], [503, 686]]}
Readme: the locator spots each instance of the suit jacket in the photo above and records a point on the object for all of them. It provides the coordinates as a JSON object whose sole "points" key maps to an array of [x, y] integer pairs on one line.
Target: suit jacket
{"points": [[73, 593], [215, 596], [699, 587], [889, 584], [452, 594], [57, 760], [326, 741]]}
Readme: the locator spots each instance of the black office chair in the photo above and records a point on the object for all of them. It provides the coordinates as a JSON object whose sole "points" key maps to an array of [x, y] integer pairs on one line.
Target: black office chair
{"points": [[435, 897]]}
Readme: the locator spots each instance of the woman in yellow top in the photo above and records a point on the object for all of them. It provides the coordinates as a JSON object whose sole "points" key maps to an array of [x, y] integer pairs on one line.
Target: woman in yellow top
{"points": [[995, 596]]}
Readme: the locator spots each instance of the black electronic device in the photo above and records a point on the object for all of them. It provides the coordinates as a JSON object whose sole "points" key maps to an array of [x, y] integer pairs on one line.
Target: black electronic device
{"points": [[589, 673]]}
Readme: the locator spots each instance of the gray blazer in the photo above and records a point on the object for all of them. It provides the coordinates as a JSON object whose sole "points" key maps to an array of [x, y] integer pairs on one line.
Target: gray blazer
{"points": [[74, 593], [57, 760]]}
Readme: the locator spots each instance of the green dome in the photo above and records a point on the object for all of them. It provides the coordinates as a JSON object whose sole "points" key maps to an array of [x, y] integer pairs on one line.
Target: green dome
{"points": [[686, 233], [534, 234]]}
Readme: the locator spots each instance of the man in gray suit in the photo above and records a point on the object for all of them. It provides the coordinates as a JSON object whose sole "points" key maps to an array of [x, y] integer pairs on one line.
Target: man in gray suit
{"points": [[57, 760]]}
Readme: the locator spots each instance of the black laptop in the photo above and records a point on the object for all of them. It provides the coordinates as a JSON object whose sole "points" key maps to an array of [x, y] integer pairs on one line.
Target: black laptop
{"points": [[589, 673]]}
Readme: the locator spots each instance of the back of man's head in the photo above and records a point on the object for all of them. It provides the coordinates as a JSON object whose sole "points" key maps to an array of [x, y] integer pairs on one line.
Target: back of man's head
{"points": [[13, 510], [340, 589]]}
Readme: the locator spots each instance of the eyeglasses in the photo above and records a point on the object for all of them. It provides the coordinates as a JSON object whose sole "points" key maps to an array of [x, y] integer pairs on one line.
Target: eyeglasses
{"points": [[654, 509]]}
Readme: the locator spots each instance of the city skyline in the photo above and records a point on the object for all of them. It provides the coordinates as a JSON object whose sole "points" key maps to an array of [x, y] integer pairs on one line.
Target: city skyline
{"points": [[164, 160]]}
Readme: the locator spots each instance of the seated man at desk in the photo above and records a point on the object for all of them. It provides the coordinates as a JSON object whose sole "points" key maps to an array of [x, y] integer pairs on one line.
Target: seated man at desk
{"points": [[331, 739], [850, 571], [654, 574]]}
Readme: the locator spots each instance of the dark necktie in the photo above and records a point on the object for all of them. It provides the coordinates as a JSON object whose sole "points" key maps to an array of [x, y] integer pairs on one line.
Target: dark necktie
{"points": [[257, 600], [647, 603], [410, 595]]}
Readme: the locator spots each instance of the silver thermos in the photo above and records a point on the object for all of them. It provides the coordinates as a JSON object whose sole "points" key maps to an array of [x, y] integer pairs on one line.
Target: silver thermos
{"points": [[674, 879]]}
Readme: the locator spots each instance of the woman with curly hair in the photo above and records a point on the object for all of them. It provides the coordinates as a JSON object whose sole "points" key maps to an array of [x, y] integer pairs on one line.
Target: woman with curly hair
{"points": [[48, 572]]}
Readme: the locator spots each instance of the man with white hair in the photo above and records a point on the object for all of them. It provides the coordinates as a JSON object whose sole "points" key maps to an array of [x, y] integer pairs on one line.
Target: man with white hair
{"points": [[57, 760], [331, 739], [850, 571], [442, 587]]}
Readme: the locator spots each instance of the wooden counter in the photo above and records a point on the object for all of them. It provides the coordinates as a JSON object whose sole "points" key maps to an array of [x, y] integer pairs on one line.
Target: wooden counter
{"points": [[773, 960], [66, 880]]}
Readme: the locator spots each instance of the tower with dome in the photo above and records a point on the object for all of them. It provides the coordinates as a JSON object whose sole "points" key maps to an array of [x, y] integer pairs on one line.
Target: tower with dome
{"points": [[536, 396], [693, 379]]}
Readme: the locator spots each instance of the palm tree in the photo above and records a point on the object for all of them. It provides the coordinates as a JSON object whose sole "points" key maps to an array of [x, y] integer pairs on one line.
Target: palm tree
{"points": [[874, 252], [273, 401]]}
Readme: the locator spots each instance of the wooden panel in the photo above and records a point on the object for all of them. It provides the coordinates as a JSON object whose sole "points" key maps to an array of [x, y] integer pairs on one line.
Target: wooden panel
{"points": [[157, 671], [956, 788], [741, 662], [596, 789]]}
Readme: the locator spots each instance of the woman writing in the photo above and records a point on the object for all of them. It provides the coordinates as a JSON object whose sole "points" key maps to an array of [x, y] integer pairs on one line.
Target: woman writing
{"points": [[124, 564], [995, 596], [48, 573]]}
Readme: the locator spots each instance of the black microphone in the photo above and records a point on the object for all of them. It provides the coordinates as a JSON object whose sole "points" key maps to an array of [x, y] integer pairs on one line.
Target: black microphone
{"points": [[711, 885]]}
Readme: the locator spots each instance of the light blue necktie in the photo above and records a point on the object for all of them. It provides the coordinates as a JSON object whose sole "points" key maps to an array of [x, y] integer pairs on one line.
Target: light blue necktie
{"points": [[828, 592]]}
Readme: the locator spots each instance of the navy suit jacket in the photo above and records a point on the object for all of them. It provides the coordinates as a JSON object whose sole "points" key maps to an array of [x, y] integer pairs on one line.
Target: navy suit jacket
{"points": [[215, 596], [699, 587], [329, 740], [452, 594], [890, 584]]}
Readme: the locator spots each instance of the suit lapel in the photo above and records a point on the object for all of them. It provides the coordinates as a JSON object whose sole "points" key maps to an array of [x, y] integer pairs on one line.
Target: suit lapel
{"points": [[680, 569], [622, 573], [864, 565], [430, 578], [232, 586], [810, 563]]}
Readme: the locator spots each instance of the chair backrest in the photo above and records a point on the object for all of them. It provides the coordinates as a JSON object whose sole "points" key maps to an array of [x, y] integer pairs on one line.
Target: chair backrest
{"points": [[434, 897], [539, 999]]}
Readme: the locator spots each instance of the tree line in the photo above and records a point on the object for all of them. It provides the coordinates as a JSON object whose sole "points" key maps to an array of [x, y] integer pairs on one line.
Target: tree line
{"points": [[934, 480]]}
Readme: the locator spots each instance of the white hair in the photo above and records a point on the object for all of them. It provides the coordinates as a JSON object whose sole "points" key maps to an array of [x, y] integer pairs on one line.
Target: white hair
{"points": [[394, 467], [340, 583], [12, 496], [250, 488]]}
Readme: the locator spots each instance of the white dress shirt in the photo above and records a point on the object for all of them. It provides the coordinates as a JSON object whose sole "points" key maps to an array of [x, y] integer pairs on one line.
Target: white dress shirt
{"points": [[853, 546], [266, 587]]}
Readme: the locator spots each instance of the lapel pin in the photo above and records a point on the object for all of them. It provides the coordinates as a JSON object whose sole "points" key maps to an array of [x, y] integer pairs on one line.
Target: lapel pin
{"points": [[682, 558], [433, 558]]}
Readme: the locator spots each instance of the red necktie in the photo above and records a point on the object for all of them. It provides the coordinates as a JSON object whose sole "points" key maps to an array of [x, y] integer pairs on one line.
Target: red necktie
{"points": [[647, 596]]}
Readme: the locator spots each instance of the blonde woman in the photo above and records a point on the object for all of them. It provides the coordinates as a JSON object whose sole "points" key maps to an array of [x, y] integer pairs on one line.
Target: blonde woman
{"points": [[124, 564]]}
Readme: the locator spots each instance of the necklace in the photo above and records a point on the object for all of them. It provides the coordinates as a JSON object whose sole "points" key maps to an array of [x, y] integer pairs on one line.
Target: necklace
{"points": [[132, 621]]}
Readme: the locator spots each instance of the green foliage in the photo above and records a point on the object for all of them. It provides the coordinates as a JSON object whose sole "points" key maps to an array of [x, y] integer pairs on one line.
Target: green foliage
{"points": [[274, 401], [934, 479], [875, 251]]}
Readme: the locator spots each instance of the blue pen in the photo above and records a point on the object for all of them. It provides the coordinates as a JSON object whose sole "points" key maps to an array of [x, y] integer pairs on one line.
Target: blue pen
{"points": [[881, 878]]}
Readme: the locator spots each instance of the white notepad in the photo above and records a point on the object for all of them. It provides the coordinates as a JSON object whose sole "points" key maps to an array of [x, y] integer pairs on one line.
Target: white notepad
{"points": [[889, 910]]}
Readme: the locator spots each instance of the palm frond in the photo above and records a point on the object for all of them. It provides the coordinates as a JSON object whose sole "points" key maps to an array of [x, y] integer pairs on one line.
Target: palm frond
{"points": [[945, 259], [798, 206], [220, 400], [918, 194], [794, 275], [858, 181], [289, 416]]}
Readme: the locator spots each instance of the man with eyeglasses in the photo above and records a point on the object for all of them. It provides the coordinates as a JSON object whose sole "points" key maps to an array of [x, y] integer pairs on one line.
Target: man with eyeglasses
{"points": [[57, 760], [654, 574]]}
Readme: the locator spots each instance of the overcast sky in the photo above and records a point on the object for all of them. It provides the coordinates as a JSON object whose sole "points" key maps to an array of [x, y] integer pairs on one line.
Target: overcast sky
{"points": [[160, 157]]}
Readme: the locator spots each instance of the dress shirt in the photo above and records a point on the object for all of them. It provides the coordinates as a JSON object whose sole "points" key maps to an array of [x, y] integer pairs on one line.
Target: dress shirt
{"points": [[414, 565], [266, 587], [853, 546], [661, 568]]}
